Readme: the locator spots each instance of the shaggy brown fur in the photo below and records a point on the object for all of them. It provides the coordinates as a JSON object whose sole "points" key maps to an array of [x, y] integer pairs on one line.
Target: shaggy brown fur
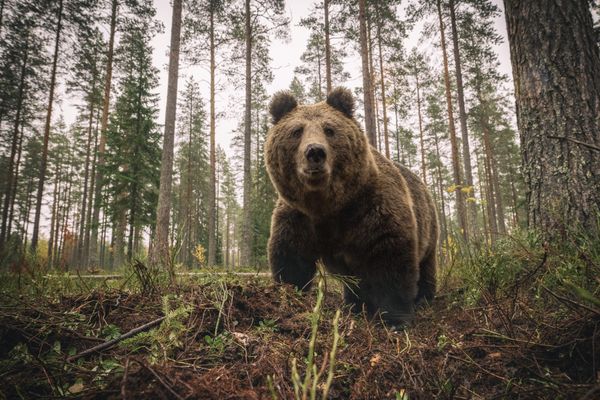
{"points": [[344, 203]]}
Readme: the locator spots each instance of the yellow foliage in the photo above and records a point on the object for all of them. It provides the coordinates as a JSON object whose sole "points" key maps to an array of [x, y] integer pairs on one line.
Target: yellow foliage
{"points": [[467, 189], [199, 254]]}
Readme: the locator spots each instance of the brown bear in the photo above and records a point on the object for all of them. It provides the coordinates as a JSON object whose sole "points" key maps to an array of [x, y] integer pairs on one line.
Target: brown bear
{"points": [[342, 202]]}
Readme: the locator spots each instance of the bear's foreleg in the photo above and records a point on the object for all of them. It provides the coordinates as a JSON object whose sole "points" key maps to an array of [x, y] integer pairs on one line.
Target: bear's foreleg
{"points": [[290, 257]]}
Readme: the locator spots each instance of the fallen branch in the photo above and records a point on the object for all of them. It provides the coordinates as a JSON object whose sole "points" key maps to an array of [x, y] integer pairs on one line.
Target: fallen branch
{"points": [[114, 341], [588, 145]]}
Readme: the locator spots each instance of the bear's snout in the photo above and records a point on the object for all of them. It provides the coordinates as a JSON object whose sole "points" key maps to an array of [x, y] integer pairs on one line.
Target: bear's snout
{"points": [[315, 155]]}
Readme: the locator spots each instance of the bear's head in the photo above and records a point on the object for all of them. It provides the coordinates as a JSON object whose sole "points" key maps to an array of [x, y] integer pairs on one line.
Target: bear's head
{"points": [[317, 156]]}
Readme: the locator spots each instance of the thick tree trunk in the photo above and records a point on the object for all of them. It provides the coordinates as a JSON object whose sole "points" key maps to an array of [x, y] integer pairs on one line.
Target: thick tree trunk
{"points": [[212, 243], [44, 161], [471, 205], [456, 168], [556, 70], [246, 238], [160, 256], [99, 179], [327, 47], [366, 75]]}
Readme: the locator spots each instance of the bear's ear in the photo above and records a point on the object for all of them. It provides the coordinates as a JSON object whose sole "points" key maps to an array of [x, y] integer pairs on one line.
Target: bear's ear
{"points": [[342, 100], [282, 103]]}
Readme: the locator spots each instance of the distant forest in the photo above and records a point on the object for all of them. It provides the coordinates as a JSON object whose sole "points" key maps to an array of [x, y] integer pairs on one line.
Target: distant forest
{"points": [[122, 182]]}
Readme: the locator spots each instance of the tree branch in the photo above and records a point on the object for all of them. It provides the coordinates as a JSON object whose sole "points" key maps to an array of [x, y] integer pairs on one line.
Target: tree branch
{"points": [[588, 145], [114, 341]]}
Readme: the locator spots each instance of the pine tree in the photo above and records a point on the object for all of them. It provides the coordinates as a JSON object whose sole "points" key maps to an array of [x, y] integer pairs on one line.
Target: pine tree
{"points": [[133, 143]]}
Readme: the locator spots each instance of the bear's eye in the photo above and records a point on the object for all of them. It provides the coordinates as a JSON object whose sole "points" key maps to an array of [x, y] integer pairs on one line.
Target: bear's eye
{"points": [[297, 132], [329, 132]]}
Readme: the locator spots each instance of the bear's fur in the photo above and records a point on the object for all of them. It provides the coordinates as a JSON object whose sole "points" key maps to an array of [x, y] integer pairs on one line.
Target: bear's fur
{"points": [[342, 202]]}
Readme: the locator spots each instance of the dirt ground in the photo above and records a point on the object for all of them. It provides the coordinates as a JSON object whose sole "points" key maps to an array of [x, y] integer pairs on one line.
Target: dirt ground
{"points": [[239, 341]]}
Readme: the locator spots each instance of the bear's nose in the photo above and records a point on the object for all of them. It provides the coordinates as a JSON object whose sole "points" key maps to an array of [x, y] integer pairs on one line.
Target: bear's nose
{"points": [[315, 153]]}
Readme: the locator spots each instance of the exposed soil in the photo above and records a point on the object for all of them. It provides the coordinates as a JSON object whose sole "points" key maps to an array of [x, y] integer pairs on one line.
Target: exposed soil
{"points": [[499, 348]]}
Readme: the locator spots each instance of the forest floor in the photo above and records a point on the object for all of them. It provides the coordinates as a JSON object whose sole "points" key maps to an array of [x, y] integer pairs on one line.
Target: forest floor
{"points": [[230, 337]]}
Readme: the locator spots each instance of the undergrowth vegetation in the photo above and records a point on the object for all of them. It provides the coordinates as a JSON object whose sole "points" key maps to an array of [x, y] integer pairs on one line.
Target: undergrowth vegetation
{"points": [[517, 319]]}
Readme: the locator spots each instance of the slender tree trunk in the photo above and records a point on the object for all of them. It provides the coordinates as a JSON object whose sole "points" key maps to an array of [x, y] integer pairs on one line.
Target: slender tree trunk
{"points": [[246, 238], [456, 168], [383, 102], [472, 206], [484, 204], [440, 182], [13, 149], [327, 47], [421, 139], [54, 215], [86, 177], [99, 179], [15, 183], [213, 163], [490, 200], [366, 74], [160, 254], [43, 164], [373, 85], [493, 178], [88, 221], [514, 198], [556, 70]]}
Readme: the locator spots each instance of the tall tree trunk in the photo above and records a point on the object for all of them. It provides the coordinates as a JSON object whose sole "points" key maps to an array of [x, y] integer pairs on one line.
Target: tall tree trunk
{"points": [[54, 214], [15, 182], [456, 168], [556, 70], [44, 161], [484, 204], [490, 199], [494, 182], [99, 179], [212, 243], [421, 139], [373, 86], [160, 254], [366, 74], [440, 182], [246, 238], [327, 47], [88, 221], [86, 177], [13, 149], [386, 140], [462, 114]]}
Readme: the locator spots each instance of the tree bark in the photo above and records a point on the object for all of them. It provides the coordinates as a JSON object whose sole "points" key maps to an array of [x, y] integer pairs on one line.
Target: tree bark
{"points": [[212, 243], [556, 70], [421, 139], [471, 206], [160, 254], [84, 197], [246, 238], [327, 47], [44, 161], [366, 74], [456, 168], [8, 195], [99, 179], [383, 103]]}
